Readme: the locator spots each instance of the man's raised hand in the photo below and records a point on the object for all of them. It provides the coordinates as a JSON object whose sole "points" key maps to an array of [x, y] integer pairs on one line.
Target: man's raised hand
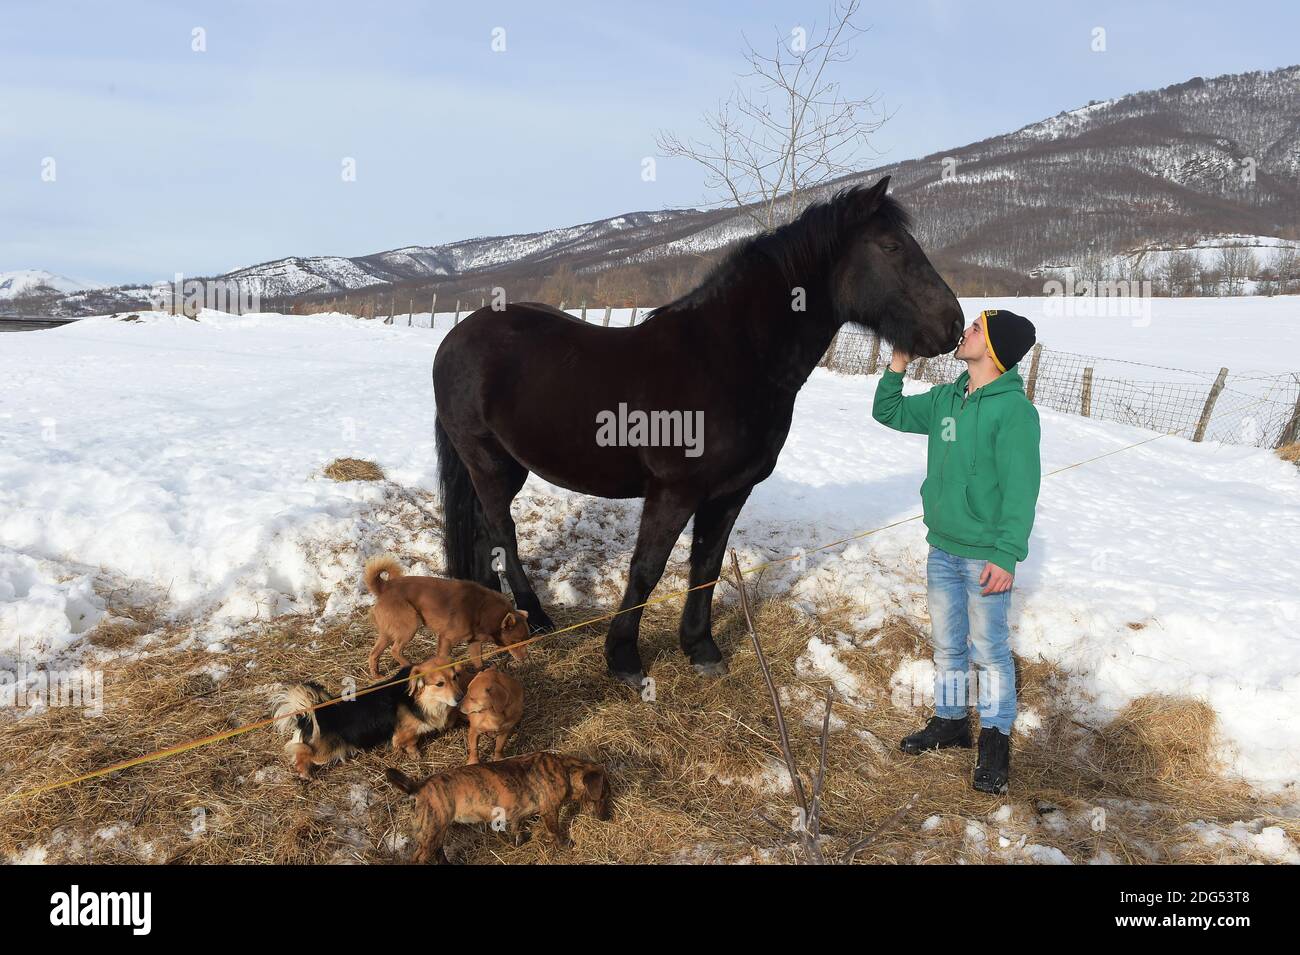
{"points": [[899, 360]]}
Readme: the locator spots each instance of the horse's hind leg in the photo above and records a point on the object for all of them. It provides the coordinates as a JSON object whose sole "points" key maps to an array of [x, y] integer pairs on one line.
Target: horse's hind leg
{"points": [[497, 481], [713, 523], [662, 519]]}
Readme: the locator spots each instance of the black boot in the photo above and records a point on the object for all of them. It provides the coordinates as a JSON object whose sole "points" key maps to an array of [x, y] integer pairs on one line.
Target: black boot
{"points": [[939, 733], [993, 767]]}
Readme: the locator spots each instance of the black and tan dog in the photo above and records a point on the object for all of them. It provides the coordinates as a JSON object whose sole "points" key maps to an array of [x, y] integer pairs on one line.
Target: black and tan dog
{"points": [[508, 790], [407, 706]]}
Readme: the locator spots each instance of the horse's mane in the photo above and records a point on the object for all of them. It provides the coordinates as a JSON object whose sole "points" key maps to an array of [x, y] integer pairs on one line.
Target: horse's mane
{"points": [[795, 250]]}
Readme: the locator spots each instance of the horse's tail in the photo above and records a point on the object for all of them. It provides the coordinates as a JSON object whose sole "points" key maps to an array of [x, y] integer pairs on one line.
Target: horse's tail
{"points": [[462, 514]]}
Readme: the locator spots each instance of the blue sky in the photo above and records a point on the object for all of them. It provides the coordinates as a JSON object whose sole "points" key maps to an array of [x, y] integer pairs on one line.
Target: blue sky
{"points": [[170, 160]]}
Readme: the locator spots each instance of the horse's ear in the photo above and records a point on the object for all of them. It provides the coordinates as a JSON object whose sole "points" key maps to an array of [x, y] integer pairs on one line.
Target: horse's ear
{"points": [[869, 200]]}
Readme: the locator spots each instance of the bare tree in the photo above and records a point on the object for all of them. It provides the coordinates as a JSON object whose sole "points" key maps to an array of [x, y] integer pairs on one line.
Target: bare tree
{"points": [[788, 127], [1286, 268], [1236, 263], [1178, 274]]}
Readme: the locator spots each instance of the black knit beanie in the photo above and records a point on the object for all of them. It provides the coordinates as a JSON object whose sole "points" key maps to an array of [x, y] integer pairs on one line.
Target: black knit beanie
{"points": [[1009, 336]]}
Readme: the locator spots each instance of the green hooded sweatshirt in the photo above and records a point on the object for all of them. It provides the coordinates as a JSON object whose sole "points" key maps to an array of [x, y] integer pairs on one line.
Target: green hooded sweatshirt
{"points": [[983, 472]]}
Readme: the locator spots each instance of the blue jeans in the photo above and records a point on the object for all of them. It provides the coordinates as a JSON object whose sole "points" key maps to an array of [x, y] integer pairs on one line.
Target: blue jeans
{"points": [[965, 625]]}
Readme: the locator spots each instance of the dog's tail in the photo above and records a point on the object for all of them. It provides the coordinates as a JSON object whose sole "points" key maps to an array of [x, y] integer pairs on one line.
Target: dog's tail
{"points": [[402, 781], [376, 568], [462, 514], [294, 716]]}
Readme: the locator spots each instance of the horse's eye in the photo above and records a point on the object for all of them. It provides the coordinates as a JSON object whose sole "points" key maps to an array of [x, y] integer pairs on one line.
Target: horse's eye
{"points": [[891, 247]]}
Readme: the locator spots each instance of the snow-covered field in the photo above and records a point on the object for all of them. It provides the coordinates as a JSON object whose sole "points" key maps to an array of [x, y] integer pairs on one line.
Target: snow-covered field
{"points": [[182, 461]]}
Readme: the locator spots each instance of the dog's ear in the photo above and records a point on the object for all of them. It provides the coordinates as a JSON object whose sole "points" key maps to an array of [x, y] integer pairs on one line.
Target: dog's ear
{"points": [[415, 682], [593, 781], [522, 613], [509, 621]]}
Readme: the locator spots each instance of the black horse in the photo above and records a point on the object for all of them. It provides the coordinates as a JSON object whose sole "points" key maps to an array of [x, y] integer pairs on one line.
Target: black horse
{"points": [[528, 388]]}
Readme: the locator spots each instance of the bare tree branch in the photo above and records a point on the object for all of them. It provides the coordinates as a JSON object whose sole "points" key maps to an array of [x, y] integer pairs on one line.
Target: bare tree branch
{"points": [[787, 128], [806, 835]]}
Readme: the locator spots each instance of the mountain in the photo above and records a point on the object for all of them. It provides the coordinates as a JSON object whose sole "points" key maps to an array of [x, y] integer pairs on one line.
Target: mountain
{"points": [[589, 243], [27, 283], [1091, 187]]}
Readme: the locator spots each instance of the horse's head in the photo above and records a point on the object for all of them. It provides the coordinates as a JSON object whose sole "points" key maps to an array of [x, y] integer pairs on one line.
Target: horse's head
{"points": [[883, 280]]}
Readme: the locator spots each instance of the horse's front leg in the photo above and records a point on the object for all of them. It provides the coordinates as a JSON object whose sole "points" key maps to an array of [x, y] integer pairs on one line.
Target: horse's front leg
{"points": [[662, 519], [713, 523]]}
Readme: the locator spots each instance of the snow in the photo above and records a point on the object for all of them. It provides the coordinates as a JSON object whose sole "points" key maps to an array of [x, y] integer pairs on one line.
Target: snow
{"points": [[25, 281], [1271, 842], [1205, 251], [183, 459], [1247, 334]]}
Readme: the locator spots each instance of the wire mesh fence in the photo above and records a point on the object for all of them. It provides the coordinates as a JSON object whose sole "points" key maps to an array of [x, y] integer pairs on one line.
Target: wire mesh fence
{"points": [[1260, 410]]}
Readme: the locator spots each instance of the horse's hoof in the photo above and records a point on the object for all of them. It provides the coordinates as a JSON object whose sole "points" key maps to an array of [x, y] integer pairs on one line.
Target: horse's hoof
{"points": [[635, 680], [714, 669]]}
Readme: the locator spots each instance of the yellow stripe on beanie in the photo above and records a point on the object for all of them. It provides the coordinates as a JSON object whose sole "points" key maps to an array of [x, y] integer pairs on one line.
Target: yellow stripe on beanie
{"points": [[988, 339]]}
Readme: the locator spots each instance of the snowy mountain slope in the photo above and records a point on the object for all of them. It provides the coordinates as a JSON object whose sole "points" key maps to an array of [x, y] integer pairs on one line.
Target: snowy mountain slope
{"points": [[210, 497], [24, 282], [607, 237]]}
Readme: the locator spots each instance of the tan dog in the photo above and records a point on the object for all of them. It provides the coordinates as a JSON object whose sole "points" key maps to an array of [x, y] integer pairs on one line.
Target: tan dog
{"points": [[493, 704], [510, 789], [454, 611]]}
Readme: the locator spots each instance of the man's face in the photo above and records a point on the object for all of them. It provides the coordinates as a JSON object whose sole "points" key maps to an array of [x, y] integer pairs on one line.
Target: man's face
{"points": [[972, 344]]}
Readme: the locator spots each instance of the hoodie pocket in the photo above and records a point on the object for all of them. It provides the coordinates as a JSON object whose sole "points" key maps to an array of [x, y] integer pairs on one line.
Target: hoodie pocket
{"points": [[948, 511]]}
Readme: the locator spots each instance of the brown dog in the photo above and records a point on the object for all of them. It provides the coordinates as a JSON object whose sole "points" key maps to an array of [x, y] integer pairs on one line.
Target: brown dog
{"points": [[493, 704], [509, 791], [454, 611]]}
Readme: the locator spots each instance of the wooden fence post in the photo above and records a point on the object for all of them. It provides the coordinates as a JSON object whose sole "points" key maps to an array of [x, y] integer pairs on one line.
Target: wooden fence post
{"points": [[1086, 409], [607, 310], [1210, 399], [457, 319], [632, 321], [873, 359], [433, 310], [584, 312], [392, 307], [1291, 433], [562, 305], [920, 369], [1032, 383], [410, 312]]}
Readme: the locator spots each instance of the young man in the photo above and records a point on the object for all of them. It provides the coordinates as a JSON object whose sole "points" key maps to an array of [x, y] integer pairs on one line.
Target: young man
{"points": [[979, 494]]}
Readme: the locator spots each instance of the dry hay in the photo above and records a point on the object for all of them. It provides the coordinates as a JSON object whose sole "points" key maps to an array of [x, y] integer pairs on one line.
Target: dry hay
{"points": [[1290, 452], [353, 469], [691, 770]]}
